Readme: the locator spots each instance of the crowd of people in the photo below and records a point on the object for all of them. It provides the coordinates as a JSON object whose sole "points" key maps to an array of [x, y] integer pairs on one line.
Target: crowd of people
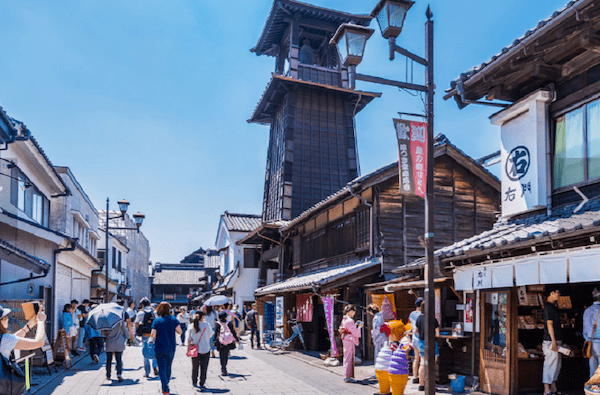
{"points": [[160, 328]]}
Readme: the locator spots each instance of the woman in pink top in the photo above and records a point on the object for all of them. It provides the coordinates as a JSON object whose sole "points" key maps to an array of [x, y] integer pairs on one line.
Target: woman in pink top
{"points": [[350, 333]]}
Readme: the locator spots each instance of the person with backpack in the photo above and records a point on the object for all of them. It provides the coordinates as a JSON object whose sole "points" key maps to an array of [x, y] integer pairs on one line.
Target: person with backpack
{"points": [[143, 322], [225, 339], [199, 334], [251, 324], [163, 332]]}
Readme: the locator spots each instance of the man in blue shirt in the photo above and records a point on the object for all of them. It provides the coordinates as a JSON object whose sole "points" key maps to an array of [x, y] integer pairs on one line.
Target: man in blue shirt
{"points": [[591, 330]]}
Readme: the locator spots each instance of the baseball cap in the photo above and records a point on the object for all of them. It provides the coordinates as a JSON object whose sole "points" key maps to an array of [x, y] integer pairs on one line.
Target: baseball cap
{"points": [[419, 302], [4, 311]]}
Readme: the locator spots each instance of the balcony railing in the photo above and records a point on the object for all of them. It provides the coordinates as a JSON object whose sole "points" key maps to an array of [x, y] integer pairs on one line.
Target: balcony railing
{"points": [[320, 75]]}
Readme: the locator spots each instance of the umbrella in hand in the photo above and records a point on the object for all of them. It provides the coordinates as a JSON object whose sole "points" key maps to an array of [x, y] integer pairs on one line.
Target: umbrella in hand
{"points": [[217, 300], [105, 316]]}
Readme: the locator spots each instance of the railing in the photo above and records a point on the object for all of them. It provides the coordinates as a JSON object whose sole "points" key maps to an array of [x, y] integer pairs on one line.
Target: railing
{"points": [[320, 75]]}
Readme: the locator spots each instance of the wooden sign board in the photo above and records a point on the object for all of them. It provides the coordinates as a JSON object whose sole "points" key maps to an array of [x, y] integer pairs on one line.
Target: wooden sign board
{"points": [[61, 342]]}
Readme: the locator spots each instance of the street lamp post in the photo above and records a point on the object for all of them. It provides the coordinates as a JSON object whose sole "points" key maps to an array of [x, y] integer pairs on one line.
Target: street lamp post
{"points": [[138, 217], [390, 15]]}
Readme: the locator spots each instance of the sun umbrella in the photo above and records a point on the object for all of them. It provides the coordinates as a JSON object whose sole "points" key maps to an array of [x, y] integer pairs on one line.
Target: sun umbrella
{"points": [[217, 300], [105, 316]]}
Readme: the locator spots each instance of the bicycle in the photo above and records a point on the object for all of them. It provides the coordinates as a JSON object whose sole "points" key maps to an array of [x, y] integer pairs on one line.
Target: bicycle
{"points": [[274, 340]]}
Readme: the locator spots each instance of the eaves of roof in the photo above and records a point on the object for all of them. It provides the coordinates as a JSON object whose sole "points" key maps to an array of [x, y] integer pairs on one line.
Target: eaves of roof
{"points": [[30, 260], [35, 224], [282, 9], [478, 72]]}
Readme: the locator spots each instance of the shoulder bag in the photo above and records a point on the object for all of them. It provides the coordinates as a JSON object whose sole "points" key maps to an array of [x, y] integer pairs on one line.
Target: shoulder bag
{"points": [[587, 345], [12, 378], [148, 349], [192, 350]]}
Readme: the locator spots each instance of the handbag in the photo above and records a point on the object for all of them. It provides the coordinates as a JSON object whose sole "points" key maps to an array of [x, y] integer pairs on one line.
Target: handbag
{"points": [[12, 378], [587, 345], [148, 350], [192, 350]]}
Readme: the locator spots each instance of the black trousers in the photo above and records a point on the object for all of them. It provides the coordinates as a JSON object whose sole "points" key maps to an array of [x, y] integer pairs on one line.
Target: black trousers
{"points": [[200, 362], [118, 359], [224, 357], [254, 331]]}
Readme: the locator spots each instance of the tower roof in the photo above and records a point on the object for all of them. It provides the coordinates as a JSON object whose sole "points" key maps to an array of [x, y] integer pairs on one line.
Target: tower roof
{"points": [[279, 86], [281, 13]]}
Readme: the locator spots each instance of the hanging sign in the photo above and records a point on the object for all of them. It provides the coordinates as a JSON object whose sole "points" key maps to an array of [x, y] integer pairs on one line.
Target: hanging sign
{"points": [[304, 307], [412, 156], [279, 314], [328, 307]]}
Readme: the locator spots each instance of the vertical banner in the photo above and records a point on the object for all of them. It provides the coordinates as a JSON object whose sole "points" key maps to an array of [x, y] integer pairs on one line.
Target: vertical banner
{"points": [[328, 307], [304, 307], [279, 314], [412, 156]]}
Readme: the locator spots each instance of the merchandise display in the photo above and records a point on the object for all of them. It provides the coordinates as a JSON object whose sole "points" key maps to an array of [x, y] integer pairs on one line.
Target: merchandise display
{"points": [[382, 365]]}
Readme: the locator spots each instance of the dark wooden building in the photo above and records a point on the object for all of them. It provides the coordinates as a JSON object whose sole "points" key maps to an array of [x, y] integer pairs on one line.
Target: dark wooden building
{"points": [[367, 229], [312, 145]]}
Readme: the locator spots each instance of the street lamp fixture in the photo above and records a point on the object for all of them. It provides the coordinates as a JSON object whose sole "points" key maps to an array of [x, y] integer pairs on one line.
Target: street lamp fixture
{"points": [[138, 217], [350, 40], [123, 206], [390, 16]]}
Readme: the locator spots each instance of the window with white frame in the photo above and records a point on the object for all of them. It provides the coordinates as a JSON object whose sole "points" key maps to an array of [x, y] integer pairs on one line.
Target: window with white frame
{"points": [[28, 199], [577, 146]]}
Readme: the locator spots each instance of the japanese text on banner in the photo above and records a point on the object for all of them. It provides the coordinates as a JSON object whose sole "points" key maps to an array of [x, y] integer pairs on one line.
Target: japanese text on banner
{"points": [[412, 156]]}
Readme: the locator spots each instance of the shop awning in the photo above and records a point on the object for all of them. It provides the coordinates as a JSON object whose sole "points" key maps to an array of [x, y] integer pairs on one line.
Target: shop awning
{"points": [[323, 278], [559, 268], [413, 284], [18, 257]]}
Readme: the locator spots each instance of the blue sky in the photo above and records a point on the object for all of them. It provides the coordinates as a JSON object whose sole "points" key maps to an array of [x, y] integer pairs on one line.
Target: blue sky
{"points": [[148, 100]]}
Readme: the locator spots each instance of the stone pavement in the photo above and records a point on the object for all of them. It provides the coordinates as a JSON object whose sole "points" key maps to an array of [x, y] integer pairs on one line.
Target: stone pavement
{"points": [[248, 375]]}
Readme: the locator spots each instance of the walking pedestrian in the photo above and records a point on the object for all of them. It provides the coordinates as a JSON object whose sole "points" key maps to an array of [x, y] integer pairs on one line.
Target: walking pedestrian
{"points": [[76, 315], [184, 321], [379, 337], [420, 330], [131, 315], [225, 339], [96, 341], [115, 345], [82, 312], [237, 321], [591, 332], [143, 322], [350, 332], [551, 341], [163, 331], [415, 338], [200, 334], [251, 323], [211, 319]]}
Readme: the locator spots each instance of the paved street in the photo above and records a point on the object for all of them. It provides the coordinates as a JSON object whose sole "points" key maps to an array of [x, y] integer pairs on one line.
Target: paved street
{"points": [[251, 372]]}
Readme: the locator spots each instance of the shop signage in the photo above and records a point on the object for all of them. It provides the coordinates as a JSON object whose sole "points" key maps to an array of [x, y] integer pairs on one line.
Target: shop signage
{"points": [[523, 136], [412, 156], [279, 314], [328, 307]]}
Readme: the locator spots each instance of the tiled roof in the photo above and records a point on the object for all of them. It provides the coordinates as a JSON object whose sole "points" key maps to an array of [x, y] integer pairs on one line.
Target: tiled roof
{"points": [[28, 257], [171, 276], [229, 280], [320, 277], [507, 51], [241, 222], [276, 24], [509, 233]]}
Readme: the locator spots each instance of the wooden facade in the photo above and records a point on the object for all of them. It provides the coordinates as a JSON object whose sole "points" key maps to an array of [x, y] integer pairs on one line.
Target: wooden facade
{"points": [[312, 146]]}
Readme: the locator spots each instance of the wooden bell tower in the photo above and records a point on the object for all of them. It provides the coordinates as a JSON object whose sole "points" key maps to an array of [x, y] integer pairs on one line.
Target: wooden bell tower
{"points": [[312, 146]]}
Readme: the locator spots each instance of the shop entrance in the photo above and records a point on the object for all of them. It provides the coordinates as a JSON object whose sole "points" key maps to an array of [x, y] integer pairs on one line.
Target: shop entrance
{"points": [[495, 354]]}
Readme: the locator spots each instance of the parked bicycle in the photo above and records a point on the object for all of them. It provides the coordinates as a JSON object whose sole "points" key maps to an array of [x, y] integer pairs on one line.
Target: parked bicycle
{"points": [[274, 340]]}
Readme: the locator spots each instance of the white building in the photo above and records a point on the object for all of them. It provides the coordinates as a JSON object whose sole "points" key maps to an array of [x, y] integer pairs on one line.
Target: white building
{"points": [[238, 263]]}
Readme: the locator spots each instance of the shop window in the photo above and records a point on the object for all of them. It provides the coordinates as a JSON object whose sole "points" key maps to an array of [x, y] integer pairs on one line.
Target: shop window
{"points": [[251, 258], [28, 199], [577, 146]]}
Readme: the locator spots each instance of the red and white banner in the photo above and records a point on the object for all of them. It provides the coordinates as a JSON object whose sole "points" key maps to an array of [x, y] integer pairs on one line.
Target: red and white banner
{"points": [[412, 156]]}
